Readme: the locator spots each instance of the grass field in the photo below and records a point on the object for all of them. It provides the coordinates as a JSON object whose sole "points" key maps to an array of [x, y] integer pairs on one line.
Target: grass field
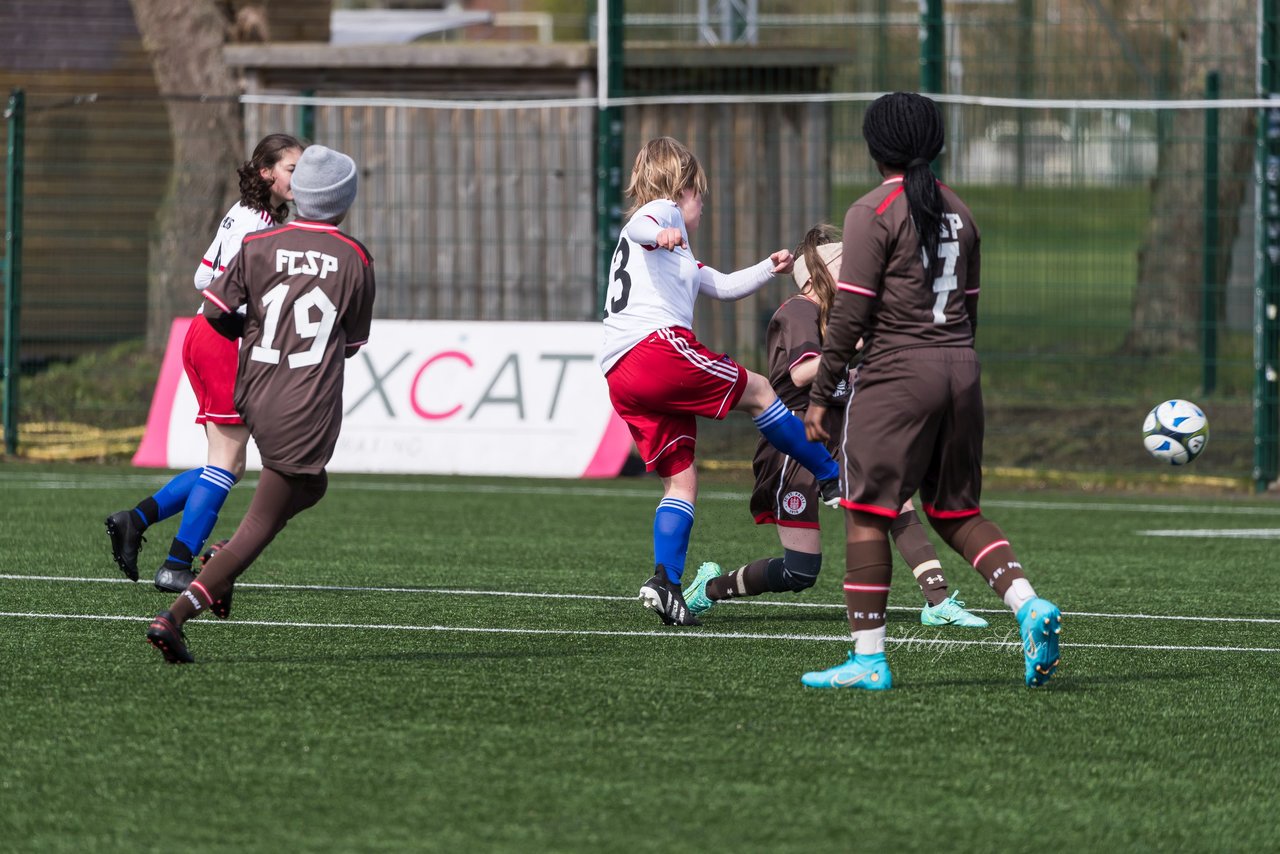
{"points": [[448, 664]]}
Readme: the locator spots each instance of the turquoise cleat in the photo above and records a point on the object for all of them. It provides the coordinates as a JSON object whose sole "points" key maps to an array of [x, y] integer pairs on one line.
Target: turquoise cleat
{"points": [[869, 672], [1040, 623], [951, 612], [695, 595]]}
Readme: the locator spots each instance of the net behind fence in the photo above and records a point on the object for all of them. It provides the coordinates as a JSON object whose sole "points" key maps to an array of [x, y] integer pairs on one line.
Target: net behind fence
{"points": [[1094, 226], [1118, 235]]}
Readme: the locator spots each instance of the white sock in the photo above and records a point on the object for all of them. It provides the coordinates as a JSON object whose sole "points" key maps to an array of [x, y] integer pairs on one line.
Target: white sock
{"points": [[1019, 594], [868, 641]]}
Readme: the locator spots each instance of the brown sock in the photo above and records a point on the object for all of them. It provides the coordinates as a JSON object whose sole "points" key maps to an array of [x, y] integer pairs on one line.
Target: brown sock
{"points": [[914, 546], [749, 580], [868, 568], [985, 546], [210, 585], [276, 500]]}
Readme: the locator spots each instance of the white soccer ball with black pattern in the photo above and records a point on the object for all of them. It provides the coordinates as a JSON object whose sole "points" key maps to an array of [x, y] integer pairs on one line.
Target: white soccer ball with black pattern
{"points": [[1175, 432]]}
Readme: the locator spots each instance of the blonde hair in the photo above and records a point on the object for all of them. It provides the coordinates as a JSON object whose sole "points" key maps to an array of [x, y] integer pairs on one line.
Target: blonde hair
{"points": [[821, 282], [664, 168]]}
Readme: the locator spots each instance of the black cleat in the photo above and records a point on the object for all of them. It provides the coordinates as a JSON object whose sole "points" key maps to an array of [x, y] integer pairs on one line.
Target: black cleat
{"points": [[221, 608], [173, 577], [126, 540], [830, 491], [169, 639], [660, 595]]}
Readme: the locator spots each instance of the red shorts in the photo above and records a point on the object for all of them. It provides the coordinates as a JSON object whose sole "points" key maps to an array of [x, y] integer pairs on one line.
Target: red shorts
{"points": [[659, 387], [210, 362]]}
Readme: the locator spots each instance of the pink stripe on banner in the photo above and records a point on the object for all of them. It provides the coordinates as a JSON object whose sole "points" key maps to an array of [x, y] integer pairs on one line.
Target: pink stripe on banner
{"points": [[856, 289], [868, 588], [154, 448], [612, 451], [983, 553]]}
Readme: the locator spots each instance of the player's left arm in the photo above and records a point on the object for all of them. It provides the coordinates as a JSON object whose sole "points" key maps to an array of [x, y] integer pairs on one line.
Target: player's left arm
{"points": [[223, 297], [359, 317], [858, 292], [973, 278]]}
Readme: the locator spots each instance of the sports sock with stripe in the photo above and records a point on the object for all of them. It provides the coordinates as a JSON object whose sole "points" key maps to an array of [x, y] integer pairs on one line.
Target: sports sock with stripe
{"points": [[785, 432], [201, 512], [672, 524], [914, 546], [868, 566], [169, 499], [986, 547]]}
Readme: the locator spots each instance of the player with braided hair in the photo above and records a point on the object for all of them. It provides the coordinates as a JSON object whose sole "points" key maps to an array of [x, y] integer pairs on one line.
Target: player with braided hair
{"points": [[786, 495], [210, 364], [908, 287]]}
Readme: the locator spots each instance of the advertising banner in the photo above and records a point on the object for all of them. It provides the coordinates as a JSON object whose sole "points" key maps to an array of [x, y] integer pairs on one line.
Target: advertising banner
{"points": [[440, 397]]}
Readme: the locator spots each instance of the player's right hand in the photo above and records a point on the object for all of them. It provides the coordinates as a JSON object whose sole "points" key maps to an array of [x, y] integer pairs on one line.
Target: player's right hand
{"points": [[670, 238], [813, 429]]}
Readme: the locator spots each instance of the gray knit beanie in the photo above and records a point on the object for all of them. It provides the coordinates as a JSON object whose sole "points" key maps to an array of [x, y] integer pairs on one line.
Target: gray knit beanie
{"points": [[324, 184]]}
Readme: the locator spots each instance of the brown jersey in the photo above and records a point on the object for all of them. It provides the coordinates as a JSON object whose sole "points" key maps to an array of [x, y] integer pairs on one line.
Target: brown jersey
{"points": [[794, 335], [887, 296], [308, 290], [786, 493]]}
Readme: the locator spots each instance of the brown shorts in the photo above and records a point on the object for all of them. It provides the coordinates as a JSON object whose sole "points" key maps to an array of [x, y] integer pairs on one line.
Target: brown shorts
{"points": [[786, 493], [915, 423]]}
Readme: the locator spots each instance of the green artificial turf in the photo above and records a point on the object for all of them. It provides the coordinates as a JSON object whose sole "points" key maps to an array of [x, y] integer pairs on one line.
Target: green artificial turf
{"points": [[453, 664]]}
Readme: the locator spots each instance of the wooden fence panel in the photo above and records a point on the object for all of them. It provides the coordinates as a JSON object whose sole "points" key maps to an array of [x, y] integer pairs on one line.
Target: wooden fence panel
{"points": [[487, 214]]}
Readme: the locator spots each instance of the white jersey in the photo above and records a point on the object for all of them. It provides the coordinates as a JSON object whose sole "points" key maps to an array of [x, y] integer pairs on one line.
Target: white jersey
{"points": [[238, 222], [651, 288]]}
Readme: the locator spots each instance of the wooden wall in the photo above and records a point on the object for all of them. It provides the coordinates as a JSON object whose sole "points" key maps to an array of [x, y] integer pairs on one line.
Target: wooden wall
{"points": [[490, 214], [469, 214]]}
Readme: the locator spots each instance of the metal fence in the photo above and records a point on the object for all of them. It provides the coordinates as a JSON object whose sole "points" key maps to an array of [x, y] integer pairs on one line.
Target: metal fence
{"points": [[1118, 227]]}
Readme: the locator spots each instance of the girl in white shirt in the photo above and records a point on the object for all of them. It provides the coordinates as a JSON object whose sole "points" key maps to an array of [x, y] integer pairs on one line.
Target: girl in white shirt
{"points": [[661, 378], [210, 362]]}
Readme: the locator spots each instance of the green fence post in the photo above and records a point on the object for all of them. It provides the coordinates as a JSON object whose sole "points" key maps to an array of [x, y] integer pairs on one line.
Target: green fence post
{"points": [[1209, 291], [1266, 290], [15, 115], [608, 140], [307, 118], [932, 45], [1026, 61]]}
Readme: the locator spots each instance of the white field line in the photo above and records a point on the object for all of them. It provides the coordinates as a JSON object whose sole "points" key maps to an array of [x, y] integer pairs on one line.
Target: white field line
{"points": [[737, 603], [665, 634], [1217, 533], [461, 486]]}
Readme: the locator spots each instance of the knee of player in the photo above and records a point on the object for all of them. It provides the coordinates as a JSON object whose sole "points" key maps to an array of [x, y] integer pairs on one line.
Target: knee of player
{"points": [[800, 569], [757, 395]]}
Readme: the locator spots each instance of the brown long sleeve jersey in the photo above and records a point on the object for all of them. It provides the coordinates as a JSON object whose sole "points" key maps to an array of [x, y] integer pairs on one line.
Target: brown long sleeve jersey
{"points": [[887, 296], [308, 290]]}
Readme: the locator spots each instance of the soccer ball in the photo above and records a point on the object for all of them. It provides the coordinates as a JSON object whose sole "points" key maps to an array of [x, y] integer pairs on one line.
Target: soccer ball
{"points": [[1175, 432]]}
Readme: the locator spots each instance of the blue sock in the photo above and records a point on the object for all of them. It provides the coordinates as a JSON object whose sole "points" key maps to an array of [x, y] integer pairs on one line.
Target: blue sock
{"points": [[201, 512], [786, 433], [171, 497], [672, 524]]}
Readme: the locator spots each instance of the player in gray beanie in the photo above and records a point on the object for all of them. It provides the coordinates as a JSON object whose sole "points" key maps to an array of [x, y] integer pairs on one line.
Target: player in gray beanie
{"points": [[324, 184]]}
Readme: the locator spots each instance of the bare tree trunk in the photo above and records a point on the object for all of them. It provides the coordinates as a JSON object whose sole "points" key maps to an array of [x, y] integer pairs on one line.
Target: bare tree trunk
{"points": [[1168, 299], [185, 41]]}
